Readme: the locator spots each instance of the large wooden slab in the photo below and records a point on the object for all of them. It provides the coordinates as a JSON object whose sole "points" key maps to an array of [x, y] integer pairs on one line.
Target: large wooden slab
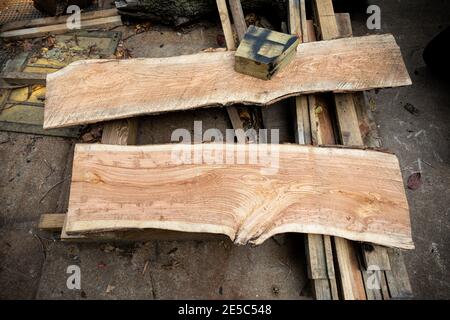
{"points": [[98, 90], [356, 194]]}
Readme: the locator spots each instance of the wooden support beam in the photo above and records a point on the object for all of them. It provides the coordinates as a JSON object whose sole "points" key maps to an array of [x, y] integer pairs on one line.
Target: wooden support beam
{"points": [[397, 278], [303, 131], [26, 78], [303, 22], [232, 111], [294, 18], [325, 19], [238, 18], [347, 120], [121, 132], [226, 24], [52, 221], [351, 281], [42, 22], [107, 22], [303, 125], [375, 256]]}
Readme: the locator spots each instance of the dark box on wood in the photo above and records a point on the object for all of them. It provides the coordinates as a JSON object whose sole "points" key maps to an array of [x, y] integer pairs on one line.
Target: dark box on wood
{"points": [[262, 52]]}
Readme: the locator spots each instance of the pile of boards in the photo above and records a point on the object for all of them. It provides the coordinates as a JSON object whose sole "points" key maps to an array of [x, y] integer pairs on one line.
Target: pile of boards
{"points": [[41, 27], [116, 188], [134, 193]]}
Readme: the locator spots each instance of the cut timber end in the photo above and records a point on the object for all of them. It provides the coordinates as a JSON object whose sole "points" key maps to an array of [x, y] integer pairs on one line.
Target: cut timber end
{"points": [[140, 187], [262, 52]]}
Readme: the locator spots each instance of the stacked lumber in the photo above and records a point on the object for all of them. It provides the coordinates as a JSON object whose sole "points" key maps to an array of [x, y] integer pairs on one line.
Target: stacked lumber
{"points": [[357, 194], [313, 127], [58, 25], [90, 91]]}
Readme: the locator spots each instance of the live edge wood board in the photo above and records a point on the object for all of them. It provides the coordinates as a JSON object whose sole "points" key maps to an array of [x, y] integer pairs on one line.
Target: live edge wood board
{"points": [[350, 193], [97, 90]]}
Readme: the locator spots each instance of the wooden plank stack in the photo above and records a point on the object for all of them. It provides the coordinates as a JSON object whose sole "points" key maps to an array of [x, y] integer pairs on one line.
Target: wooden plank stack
{"points": [[338, 268], [41, 27]]}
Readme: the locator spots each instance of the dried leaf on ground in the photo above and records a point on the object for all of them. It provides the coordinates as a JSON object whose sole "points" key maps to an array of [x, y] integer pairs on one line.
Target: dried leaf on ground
{"points": [[411, 109], [414, 181]]}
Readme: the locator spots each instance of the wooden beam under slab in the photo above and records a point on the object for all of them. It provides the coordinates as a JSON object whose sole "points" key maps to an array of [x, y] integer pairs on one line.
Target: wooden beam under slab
{"points": [[238, 18], [25, 78]]}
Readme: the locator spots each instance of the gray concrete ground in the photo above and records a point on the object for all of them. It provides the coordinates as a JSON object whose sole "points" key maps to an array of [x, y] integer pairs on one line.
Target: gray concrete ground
{"points": [[34, 173]]}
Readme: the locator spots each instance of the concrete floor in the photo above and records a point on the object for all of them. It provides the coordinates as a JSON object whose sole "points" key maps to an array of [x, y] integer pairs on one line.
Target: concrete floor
{"points": [[33, 264]]}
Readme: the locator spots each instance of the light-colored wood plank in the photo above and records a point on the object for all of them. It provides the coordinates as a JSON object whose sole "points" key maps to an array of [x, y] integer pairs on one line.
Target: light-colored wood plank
{"points": [[321, 289], [237, 124], [303, 131], [238, 18], [397, 277], [372, 293], [91, 90], [303, 126], [107, 22], [120, 132], [24, 77], [232, 111], [322, 131], [41, 22], [294, 18], [325, 19], [303, 22], [344, 25], [375, 256], [316, 262], [350, 275], [226, 24], [310, 31], [117, 187], [330, 267], [51, 221], [348, 120]]}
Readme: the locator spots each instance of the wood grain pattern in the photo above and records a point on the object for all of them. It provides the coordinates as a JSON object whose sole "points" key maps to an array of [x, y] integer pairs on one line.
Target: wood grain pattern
{"points": [[121, 132], [356, 194], [94, 90]]}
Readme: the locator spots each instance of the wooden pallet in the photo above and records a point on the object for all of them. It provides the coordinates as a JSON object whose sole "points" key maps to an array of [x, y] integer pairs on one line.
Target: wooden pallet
{"points": [[338, 268]]}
